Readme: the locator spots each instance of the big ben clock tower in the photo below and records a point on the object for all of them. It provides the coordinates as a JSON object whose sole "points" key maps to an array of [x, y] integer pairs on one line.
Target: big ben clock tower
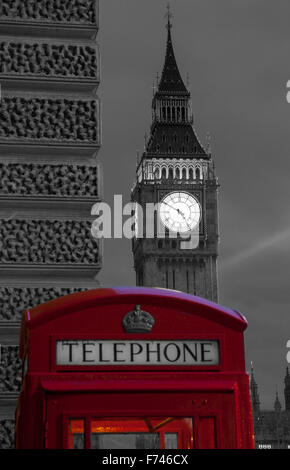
{"points": [[176, 174]]}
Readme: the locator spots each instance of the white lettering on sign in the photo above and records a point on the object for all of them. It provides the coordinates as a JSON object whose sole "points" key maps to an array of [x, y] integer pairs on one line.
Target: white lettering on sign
{"points": [[153, 353]]}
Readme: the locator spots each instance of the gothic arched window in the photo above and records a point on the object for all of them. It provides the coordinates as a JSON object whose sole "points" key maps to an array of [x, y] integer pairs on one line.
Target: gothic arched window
{"points": [[183, 113], [156, 173], [197, 173], [173, 114]]}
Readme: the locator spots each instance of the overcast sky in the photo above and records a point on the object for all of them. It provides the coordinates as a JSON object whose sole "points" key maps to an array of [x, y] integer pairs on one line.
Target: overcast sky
{"points": [[237, 55]]}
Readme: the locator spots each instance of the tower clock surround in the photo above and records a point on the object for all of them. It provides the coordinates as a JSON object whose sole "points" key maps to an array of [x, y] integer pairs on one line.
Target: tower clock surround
{"points": [[180, 212]]}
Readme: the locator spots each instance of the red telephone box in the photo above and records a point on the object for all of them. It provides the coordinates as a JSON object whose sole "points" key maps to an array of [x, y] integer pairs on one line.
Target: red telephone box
{"points": [[133, 368]]}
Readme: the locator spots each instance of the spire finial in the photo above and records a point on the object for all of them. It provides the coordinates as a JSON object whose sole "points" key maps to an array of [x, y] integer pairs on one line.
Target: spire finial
{"points": [[157, 79], [208, 151], [169, 16]]}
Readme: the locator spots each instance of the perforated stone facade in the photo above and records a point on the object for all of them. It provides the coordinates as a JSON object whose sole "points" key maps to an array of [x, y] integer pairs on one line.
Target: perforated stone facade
{"points": [[6, 433], [54, 11], [50, 135], [48, 180], [34, 59], [15, 300], [48, 120]]}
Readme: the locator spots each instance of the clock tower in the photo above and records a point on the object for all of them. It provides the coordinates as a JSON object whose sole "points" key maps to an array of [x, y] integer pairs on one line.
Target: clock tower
{"points": [[176, 174]]}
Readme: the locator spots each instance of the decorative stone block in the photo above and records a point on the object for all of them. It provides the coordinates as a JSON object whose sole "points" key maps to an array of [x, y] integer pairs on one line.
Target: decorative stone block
{"points": [[7, 434], [48, 180], [45, 60], [47, 241], [51, 120], [10, 369], [15, 300], [52, 11]]}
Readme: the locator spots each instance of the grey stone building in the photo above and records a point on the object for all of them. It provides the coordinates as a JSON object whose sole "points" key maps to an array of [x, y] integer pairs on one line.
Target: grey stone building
{"points": [[271, 427], [50, 134], [176, 171]]}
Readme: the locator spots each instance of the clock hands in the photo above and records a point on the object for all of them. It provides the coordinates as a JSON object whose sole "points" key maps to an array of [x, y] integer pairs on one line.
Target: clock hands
{"points": [[179, 212], [172, 207], [183, 216]]}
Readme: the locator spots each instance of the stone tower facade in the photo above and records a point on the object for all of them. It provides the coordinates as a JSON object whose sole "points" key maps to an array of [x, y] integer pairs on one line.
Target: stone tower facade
{"points": [[50, 134], [176, 163]]}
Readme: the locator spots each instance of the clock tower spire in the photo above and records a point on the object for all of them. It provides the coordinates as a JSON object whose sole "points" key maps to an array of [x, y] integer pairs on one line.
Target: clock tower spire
{"points": [[177, 175]]}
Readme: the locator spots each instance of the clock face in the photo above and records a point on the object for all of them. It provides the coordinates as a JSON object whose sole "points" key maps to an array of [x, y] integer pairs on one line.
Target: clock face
{"points": [[180, 212]]}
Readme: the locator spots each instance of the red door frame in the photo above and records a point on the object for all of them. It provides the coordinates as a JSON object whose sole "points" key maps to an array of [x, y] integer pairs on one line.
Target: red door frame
{"points": [[194, 413]]}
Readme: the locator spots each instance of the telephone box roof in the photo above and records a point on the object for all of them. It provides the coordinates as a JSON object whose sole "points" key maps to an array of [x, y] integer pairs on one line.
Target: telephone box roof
{"points": [[166, 298]]}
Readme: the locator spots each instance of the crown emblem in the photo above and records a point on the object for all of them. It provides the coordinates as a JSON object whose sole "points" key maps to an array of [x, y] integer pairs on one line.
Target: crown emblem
{"points": [[138, 321]]}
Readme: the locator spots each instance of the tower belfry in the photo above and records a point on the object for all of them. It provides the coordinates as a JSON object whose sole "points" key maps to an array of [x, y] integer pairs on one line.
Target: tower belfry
{"points": [[177, 174]]}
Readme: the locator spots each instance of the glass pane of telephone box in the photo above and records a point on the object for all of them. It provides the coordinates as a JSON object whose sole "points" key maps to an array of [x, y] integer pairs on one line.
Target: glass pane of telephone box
{"points": [[125, 441], [171, 440], [142, 433], [76, 437]]}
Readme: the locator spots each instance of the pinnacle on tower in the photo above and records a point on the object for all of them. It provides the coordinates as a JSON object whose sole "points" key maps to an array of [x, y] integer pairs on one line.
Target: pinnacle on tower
{"points": [[254, 392], [277, 404]]}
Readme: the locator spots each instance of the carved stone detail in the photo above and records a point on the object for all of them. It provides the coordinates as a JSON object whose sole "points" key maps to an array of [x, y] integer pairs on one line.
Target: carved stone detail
{"points": [[7, 434], [48, 60], [10, 369], [52, 11], [59, 120], [47, 241], [48, 180], [15, 300]]}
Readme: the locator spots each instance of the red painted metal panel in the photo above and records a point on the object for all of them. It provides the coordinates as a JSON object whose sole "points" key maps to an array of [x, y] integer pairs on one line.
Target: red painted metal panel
{"points": [[137, 385]]}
